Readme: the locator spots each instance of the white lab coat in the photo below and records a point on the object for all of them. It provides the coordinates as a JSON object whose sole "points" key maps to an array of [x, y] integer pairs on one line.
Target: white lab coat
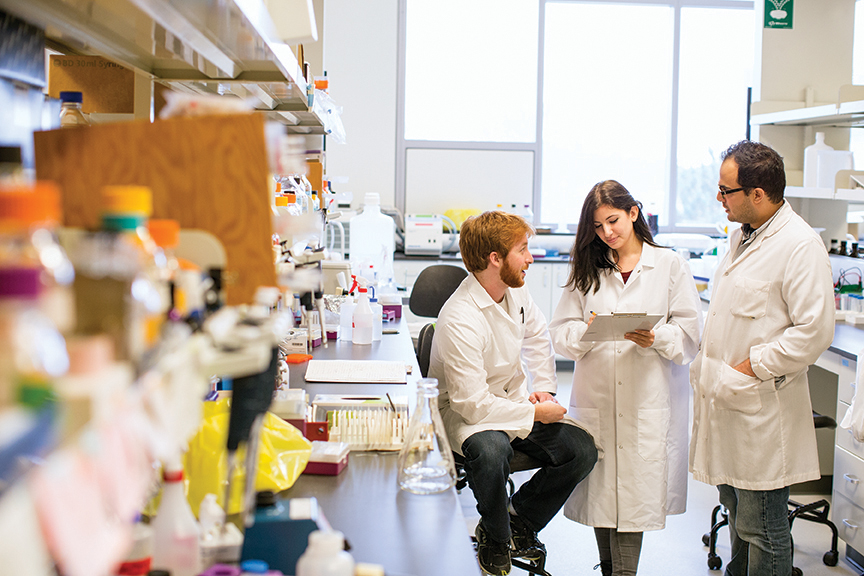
{"points": [[476, 358], [633, 399], [773, 304]]}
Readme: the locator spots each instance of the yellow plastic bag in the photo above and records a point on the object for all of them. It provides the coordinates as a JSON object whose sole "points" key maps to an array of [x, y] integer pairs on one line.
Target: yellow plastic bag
{"points": [[282, 456]]}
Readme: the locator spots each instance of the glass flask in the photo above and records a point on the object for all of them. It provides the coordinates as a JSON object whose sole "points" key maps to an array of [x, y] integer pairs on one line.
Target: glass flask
{"points": [[425, 461]]}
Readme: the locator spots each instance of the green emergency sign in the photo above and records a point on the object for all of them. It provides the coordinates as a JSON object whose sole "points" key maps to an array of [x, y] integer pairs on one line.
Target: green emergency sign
{"points": [[778, 13]]}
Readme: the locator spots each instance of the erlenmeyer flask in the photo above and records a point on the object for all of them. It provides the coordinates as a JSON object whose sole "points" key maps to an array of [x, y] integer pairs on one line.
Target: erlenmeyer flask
{"points": [[425, 461]]}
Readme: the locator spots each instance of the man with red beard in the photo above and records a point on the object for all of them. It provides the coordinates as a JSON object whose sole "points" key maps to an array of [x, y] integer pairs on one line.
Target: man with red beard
{"points": [[488, 335]]}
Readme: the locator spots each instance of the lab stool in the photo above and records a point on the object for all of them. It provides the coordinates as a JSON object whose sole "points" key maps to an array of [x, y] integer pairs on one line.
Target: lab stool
{"points": [[520, 462], [813, 512]]}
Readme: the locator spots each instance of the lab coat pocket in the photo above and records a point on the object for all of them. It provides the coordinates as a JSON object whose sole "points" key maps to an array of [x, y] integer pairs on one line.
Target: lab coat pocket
{"points": [[751, 298], [652, 430], [737, 391]]}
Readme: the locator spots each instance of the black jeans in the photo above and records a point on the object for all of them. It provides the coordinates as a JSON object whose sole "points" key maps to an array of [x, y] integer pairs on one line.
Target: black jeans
{"points": [[567, 453]]}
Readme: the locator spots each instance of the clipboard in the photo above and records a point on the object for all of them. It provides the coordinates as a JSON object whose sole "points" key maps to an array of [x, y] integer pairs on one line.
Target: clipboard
{"points": [[606, 327]]}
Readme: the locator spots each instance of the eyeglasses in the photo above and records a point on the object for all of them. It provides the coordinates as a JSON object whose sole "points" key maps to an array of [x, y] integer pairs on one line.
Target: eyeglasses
{"points": [[725, 192]]}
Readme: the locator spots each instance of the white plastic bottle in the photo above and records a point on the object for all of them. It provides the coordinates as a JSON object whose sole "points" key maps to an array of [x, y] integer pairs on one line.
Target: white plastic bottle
{"points": [[371, 239], [139, 559], [176, 545], [361, 330], [325, 556], [811, 160], [377, 319]]}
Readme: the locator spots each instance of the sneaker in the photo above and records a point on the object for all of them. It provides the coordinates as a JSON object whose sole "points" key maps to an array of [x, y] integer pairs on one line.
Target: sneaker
{"points": [[494, 557], [525, 542]]}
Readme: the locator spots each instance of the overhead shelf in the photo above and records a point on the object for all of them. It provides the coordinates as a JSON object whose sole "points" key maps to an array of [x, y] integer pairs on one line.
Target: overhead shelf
{"points": [[845, 114], [201, 46]]}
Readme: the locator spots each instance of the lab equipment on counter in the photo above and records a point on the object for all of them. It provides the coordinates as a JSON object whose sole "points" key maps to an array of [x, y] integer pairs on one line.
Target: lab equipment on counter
{"points": [[325, 556], [364, 422], [362, 321], [426, 464], [281, 530], [327, 458], [176, 536]]}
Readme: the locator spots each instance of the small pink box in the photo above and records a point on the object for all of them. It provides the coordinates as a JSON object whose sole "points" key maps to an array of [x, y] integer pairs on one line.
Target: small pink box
{"points": [[327, 458], [395, 308]]}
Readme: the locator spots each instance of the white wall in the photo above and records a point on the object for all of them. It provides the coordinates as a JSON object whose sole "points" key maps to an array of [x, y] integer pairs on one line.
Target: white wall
{"points": [[360, 59]]}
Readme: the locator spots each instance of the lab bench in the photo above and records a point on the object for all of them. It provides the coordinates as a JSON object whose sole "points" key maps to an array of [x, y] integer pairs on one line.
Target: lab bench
{"points": [[408, 534]]}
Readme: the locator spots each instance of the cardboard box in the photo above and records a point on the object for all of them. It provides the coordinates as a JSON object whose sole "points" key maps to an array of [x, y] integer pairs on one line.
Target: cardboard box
{"points": [[108, 88]]}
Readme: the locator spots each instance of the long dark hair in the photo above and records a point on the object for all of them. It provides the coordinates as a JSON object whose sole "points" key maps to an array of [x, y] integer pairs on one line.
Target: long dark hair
{"points": [[590, 255]]}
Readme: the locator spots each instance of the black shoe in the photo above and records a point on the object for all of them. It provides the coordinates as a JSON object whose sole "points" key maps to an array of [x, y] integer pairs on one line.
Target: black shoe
{"points": [[494, 557], [525, 542]]}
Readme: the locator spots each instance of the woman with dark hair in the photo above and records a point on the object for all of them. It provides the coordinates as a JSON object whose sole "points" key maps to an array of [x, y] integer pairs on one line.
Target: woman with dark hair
{"points": [[632, 393]]}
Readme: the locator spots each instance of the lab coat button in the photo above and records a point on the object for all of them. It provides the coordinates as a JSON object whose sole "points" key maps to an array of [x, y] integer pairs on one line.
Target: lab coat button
{"points": [[620, 446], [620, 415], [619, 383]]}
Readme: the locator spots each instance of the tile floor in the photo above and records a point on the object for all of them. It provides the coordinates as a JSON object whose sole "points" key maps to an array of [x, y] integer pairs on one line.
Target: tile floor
{"points": [[676, 550]]}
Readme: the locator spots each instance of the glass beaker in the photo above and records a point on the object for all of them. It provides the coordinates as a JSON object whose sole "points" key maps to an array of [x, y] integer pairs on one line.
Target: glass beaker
{"points": [[425, 461]]}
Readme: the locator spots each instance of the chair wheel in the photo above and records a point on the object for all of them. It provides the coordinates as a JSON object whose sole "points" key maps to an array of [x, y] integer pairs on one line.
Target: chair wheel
{"points": [[797, 572], [706, 539], [830, 558], [714, 562]]}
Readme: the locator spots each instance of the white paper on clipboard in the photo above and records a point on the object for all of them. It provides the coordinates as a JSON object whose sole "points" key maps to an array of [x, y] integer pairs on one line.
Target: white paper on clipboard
{"points": [[607, 327]]}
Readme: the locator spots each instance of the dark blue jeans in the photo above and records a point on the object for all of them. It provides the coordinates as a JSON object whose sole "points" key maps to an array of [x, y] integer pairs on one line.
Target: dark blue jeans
{"points": [[759, 531], [567, 453]]}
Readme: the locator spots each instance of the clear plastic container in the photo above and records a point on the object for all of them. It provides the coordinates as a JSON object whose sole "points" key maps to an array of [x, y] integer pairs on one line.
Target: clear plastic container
{"points": [[176, 545], [119, 288], [71, 114], [372, 241], [426, 464], [346, 319], [377, 319], [29, 215], [325, 556], [32, 350]]}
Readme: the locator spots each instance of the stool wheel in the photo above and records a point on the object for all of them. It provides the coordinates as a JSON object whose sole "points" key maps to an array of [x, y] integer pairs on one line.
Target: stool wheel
{"points": [[797, 572], [706, 539], [714, 562], [830, 558]]}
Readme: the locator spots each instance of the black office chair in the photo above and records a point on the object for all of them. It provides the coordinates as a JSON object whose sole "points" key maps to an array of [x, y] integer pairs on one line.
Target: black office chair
{"points": [[813, 512], [518, 463], [433, 286]]}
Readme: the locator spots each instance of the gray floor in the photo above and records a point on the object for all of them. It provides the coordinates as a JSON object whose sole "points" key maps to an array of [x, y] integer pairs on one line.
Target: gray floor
{"points": [[676, 550]]}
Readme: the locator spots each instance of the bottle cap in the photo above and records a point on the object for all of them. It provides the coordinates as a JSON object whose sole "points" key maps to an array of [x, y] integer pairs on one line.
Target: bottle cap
{"points": [[254, 566], [172, 475], [127, 199], [265, 498], [38, 203], [282, 201], [372, 199], [71, 97], [165, 232]]}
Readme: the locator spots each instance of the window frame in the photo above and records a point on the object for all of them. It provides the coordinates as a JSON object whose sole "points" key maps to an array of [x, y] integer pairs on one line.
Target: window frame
{"points": [[403, 145]]}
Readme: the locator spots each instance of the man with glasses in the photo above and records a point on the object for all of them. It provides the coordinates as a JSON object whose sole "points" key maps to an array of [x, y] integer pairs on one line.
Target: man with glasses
{"points": [[771, 316]]}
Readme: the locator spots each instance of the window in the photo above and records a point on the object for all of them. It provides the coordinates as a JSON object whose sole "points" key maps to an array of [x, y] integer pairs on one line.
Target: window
{"points": [[647, 92], [471, 70]]}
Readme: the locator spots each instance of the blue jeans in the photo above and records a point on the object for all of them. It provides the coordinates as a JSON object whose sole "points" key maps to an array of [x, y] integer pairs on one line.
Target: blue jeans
{"points": [[759, 531], [567, 453]]}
